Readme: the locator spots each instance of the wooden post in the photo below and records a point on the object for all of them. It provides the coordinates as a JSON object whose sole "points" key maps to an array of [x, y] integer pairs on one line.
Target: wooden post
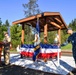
{"points": [[45, 38], [45, 33], [58, 55], [22, 38]]}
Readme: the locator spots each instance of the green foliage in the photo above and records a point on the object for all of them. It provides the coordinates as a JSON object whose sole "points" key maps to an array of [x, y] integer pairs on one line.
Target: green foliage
{"points": [[73, 24], [0, 22], [7, 23], [51, 36], [29, 37], [3, 28], [41, 37], [16, 35], [64, 36]]}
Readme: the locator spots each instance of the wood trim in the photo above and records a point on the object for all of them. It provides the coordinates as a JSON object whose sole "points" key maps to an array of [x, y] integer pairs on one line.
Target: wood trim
{"points": [[45, 33], [26, 19], [54, 24], [58, 20], [65, 25], [51, 13], [22, 38]]}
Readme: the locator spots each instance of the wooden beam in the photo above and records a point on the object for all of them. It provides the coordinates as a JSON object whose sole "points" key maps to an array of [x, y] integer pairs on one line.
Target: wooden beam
{"points": [[22, 38], [54, 24], [42, 22], [45, 14], [51, 13], [34, 17], [50, 19], [26, 19], [58, 20], [45, 33]]}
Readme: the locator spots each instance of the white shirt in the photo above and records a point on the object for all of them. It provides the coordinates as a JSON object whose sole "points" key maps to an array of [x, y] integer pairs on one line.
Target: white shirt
{"points": [[38, 40]]}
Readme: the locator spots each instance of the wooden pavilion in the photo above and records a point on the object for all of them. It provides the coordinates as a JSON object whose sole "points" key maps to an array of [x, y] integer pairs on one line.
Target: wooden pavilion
{"points": [[48, 21]]}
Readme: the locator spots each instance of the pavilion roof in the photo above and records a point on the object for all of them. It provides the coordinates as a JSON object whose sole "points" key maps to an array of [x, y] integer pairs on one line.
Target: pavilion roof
{"points": [[54, 21]]}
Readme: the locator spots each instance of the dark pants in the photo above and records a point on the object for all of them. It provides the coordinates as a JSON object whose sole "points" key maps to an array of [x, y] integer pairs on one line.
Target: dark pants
{"points": [[36, 52], [74, 53], [6, 56]]}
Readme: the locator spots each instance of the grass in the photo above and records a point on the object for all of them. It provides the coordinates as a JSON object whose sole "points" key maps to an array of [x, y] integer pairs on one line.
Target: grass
{"points": [[67, 47]]}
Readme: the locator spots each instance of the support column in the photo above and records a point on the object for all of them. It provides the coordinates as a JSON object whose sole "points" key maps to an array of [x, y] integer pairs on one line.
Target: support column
{"points": [[59, 33], [22, 38], [45, 33], [58, 53]]}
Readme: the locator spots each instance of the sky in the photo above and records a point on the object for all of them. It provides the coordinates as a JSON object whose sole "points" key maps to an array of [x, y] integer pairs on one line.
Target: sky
{"points": [[13, 9]]}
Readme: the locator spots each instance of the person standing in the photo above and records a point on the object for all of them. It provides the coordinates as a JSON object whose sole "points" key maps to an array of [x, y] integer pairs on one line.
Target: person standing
{"points": [[72, 39], [6, 42], [36, 41], [36, 46], [56, 40]]}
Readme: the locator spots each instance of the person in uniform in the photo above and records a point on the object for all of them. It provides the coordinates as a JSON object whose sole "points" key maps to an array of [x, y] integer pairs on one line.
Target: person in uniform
{"points": [[72, 39], [36, 46], [6, 42]]}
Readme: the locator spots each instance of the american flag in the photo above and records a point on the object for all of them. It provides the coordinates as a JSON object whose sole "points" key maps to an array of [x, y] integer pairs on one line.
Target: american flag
{"points": [[8, 31], [37, 26]]}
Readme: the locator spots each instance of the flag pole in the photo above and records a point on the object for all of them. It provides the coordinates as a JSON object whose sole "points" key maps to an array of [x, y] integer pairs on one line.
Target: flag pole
{"points": [[8, 30]]}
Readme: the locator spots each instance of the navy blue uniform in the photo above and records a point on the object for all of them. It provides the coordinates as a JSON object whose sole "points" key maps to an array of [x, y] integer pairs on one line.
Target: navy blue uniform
{"points": [[36, 52], [72, 39]]}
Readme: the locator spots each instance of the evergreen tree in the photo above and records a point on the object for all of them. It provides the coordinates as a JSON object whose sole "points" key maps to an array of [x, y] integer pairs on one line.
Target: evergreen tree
{"points": [[0, 22], [7, 23], [73, 24], [2, 29], [16, 35], [31, 8]]}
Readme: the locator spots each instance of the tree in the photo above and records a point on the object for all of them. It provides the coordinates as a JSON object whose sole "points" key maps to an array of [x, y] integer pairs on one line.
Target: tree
{"points": [[0, 22], [15, 35], [2, 29], [31, 8], [7, 23], [73, 24]]}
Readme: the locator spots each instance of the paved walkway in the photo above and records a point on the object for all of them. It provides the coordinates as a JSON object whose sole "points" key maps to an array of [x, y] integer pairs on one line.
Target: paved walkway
{"points": [[66, 64]]}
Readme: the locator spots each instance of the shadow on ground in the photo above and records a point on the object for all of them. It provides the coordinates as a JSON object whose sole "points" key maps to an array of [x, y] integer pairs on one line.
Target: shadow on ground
{"points": [[17, 70]]}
